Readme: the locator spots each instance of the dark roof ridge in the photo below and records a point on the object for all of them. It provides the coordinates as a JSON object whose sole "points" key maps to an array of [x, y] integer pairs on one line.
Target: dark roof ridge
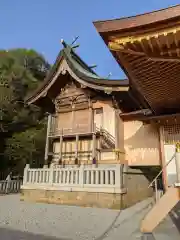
{"points": [[140, 14]]}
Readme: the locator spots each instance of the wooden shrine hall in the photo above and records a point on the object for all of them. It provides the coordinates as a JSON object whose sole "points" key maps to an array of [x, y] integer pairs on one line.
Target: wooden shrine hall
{"points": [[75, 96], [147, 48], [89, 159]]}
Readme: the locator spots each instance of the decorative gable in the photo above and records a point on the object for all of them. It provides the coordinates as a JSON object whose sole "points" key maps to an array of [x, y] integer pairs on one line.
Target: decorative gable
{"points": [[71, 96]]}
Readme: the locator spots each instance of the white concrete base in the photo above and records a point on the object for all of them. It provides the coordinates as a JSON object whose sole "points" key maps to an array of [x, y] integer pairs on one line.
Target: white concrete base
{"points": [[177, 184]]}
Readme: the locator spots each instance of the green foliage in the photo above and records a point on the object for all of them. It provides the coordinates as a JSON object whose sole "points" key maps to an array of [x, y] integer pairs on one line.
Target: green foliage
{"points": [[22, 131], [26, 147]]}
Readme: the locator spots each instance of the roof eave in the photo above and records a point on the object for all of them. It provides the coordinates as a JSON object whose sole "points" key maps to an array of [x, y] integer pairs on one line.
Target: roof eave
{"points": [[128, 23], [95, 83]]}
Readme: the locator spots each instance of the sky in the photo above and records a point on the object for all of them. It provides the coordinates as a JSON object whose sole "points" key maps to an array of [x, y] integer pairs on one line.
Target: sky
{"points": [[41, 24]]}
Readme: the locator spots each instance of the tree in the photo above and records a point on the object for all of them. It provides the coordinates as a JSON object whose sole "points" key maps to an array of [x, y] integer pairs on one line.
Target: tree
{"points": [[26, 147], [21, 71]]}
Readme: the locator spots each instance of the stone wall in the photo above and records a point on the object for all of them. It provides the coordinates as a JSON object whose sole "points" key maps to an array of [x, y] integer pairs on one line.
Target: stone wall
{"points": [[136, 182]]}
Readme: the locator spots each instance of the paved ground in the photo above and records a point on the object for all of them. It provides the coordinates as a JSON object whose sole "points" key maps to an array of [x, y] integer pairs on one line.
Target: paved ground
{"points": [[25, 221]]}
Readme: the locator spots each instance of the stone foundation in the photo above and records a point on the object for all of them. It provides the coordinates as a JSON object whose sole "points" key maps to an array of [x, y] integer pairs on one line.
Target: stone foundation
{"points": [[86, 199], [135, 183]]}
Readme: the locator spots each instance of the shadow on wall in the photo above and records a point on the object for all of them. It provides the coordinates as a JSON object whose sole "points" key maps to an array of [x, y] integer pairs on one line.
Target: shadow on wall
{"points": [[175, 215], [141, 143], [150, 172]]}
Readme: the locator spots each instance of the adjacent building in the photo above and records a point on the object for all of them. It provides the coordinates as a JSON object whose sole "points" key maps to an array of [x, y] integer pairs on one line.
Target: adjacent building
{"points": [[147, 47]]}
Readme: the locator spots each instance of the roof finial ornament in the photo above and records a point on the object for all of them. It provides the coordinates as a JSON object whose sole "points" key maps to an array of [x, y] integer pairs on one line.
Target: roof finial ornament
{"points": [[63, 43], [74, 41], [109, 75], [93, 66]]}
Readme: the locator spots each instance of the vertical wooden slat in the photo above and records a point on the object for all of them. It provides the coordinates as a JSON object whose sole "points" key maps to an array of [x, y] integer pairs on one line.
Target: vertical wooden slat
{"points": [[107, 176], [177, 162], [92, 176], [162, 155], [94, 147], [47, 140], [87, 177], [73, 117], [90, 119], [116, 133], [60, 147], [97, 177], [111, 177], [64, 176], [100, 177], [44, 176], [76, 149]]}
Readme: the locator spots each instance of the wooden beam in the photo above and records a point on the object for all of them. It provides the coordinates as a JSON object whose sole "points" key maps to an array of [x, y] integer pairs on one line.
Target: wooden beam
{"points": [[150, 44], [162, 156], [90, 118], [77, 149], [116, 118], [119, 134], [73, 116], [47, 139], [94, 160], [81, 107], [157, 58], [131, 39], [60, 149]]}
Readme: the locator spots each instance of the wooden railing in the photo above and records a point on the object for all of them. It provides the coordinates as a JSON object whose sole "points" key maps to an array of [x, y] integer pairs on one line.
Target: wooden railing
{"points": [[76, 129], [83, 178], [156, 180], [10, 186]]}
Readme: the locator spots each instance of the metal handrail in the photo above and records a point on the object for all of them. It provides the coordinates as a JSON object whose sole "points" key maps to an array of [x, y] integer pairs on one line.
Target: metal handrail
{"points": [[161, 171]]}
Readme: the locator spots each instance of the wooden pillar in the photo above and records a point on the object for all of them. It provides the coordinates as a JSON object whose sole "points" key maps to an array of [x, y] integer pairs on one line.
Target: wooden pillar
{"points": [[117, 147], [162, 157], [72, 117], [177, 161], [94, 160], [90, 116], [76, 150], [47, 140], [60, 149]]}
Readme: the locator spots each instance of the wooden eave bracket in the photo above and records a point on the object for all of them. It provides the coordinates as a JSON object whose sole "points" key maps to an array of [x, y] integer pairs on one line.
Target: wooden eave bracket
{"points": [[113, 46], [146, 36]]}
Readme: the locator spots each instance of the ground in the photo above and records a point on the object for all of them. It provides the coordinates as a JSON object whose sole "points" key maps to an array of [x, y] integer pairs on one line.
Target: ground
{"points": [[36, 221]]}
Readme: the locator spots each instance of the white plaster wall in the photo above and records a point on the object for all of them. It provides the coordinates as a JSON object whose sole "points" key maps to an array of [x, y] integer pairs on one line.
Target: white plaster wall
{"points": [[141, 143], [109, 119]]}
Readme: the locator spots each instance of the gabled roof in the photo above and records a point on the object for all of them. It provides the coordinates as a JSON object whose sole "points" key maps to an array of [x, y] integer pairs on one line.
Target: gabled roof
{"points": [[79, 70]]}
